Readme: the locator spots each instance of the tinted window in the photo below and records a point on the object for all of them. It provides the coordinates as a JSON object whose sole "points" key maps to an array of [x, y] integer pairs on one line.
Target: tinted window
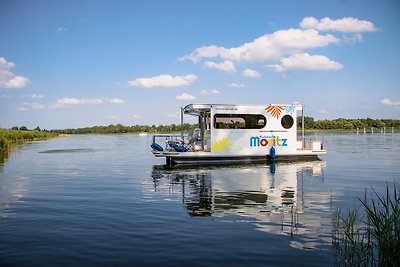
{"points": [[287, 121], [239, 121]]}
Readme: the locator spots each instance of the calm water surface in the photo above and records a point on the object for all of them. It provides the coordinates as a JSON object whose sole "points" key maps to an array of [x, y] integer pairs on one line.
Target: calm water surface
{"points": [[99, 200]]}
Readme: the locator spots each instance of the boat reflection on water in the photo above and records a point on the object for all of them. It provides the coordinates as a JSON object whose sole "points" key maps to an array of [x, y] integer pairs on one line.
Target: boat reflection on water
{"points": [[272, 197]]}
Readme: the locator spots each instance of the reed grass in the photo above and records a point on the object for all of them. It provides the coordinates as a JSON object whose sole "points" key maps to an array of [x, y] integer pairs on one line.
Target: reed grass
{"points": [[8, 138], [369, 235]]}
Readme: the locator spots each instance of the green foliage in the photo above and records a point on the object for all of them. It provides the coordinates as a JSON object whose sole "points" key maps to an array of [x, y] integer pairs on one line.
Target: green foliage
{"points": [[119, 128], [10, 137], [347, 124], [372, 239]]}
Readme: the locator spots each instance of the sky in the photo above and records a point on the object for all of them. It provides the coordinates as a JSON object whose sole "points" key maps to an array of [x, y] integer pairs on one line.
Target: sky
{"points": [[80, 63]]}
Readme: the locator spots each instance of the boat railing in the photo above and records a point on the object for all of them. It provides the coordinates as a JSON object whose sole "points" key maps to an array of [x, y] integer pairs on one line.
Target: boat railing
{"points": [[167, 141], [193, 141], [309, 143]]}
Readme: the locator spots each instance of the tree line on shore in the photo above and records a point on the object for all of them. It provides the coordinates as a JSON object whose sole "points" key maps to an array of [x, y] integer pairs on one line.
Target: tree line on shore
{"points": [[309, 124], [348, 124]]}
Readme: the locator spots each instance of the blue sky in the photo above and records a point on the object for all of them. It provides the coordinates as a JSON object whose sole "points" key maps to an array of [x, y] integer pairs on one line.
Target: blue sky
{"points": [[82, 63]]}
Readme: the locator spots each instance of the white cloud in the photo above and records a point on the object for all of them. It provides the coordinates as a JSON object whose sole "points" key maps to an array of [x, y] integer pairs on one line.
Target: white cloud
{"points": [[388, 102], [347, 25], [37, 106], [71, 101], [251, 73], [116, 101], [8, 79], [136, 116], [226, 66], [63, 102], [32, 96], [267, 47], [305, 62], [211, 51], [22, 108], [185, 96], [214, 92], [237, 85], [29, 106], [164, 80]]}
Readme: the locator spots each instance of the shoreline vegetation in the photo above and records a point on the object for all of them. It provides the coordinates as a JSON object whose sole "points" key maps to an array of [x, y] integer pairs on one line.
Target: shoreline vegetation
{"points": [[310, 125], [9, 137]]}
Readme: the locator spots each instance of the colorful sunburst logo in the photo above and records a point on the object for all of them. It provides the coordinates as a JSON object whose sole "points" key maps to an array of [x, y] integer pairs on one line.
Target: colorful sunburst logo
{"points": [[275, 111]]}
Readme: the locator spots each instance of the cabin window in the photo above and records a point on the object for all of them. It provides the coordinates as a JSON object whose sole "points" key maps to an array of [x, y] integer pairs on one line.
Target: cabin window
{"points": [[287, 121], [239, 121]]}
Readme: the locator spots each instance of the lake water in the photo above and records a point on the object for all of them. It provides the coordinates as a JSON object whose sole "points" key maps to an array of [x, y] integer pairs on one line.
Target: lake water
{"points": [[104, 200]]}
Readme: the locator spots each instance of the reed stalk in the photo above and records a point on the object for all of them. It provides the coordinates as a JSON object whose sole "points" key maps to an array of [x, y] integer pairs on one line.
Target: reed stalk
{"points": [[8, 138], [369, 235]]}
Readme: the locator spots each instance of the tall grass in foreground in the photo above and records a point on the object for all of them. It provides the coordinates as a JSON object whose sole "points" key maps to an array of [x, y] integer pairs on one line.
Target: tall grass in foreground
{"points": [[371, 238], [10, 137]]}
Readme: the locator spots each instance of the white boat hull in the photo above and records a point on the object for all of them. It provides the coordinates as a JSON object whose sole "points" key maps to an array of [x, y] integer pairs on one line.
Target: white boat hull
{"points": [[191, 158]]}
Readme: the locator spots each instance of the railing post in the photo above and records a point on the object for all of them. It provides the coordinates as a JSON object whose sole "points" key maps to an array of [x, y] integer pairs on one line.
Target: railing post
{"points": [[182, 124], [302, 127]]}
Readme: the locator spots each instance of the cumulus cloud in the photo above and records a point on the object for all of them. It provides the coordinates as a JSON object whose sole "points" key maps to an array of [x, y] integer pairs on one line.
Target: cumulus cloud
{"points": [[237, 85], [267, 47], [185, 96], [388, 102], [116, 101], [226, 66], [63, 102], [8, 79], [346, 25], [164, 80], [305, 62], [70, 101], [251, 73], [214, 92], [32, 96], [287, 49], [29, 106]]}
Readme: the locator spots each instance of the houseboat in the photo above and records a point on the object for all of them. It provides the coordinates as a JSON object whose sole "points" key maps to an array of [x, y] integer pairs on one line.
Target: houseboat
{"points": [[238, 134]]}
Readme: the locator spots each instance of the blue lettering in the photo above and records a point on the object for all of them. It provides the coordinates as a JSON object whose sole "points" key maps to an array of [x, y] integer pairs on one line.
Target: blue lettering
{"points": [[254, 141], [284, 141]]}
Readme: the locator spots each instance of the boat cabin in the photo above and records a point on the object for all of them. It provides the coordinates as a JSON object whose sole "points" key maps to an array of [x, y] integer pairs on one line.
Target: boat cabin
{"points": [[237, 133]]}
